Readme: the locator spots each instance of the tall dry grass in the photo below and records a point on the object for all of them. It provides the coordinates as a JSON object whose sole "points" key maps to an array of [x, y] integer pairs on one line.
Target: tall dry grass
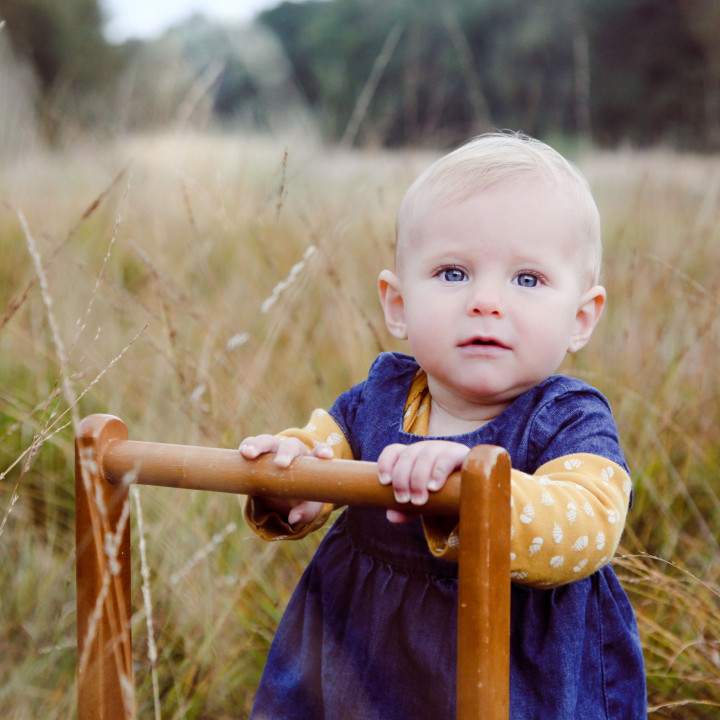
{"points": [[204, 288]]}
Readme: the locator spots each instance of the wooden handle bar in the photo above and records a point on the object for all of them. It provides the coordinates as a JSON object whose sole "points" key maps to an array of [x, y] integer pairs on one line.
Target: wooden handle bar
{"points": [[343, 482]]}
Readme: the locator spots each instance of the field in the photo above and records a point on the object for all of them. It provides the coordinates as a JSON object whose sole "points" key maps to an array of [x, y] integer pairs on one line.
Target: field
{"points": [[203, 288]]}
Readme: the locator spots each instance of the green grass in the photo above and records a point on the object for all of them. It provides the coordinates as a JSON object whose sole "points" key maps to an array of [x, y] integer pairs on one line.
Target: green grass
{"points": [[158, 254]]}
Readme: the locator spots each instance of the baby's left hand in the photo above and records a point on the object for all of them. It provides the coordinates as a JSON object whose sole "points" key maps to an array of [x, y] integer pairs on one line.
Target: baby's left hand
{"points": [[418, 469]]}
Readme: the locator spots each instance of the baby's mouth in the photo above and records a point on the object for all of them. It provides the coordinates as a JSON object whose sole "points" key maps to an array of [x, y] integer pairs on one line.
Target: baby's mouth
{"points": [[484, 342]]}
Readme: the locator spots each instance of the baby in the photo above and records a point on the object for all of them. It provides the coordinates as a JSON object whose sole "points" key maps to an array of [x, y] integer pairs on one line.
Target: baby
{"points": [[496, 278]]}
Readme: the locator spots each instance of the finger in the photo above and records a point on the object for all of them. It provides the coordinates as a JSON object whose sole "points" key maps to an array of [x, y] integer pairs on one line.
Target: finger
{"points": [[248, 449], [288, 449], [401, 472], [324, 451], [398, 517], [420, 475], [252, 447], [305, 512], [386, 462], [445, 464]]}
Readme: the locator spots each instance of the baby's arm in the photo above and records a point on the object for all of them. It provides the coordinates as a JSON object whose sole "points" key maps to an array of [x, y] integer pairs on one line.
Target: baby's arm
{"points": [[566, 520]]}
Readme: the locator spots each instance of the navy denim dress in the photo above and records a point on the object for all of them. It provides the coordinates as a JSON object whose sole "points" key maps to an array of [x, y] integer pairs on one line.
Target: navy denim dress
{"points": [[370, 632]]}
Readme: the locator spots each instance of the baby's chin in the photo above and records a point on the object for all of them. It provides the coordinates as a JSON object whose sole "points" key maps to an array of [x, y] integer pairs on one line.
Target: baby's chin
{"points": [[482, 398]]}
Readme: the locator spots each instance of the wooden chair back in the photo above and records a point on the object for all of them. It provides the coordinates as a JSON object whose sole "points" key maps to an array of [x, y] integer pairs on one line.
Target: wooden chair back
{"points": [[107, 463]]}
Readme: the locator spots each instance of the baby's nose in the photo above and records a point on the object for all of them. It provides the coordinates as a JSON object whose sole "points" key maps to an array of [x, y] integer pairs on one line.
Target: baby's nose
{"points": [[486, 300]]}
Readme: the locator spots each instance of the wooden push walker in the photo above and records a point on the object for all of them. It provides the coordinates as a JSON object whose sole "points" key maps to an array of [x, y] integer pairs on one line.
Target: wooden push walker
{"points": [[106, 463]]}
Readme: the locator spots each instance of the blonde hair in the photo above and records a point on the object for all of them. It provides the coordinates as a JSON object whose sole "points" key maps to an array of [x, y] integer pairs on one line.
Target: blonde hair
{"points": [[490, 159]]}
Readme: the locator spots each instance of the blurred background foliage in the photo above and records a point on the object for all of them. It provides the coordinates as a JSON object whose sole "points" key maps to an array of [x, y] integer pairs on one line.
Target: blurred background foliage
{"points": [[390, 72], [158, 238]]}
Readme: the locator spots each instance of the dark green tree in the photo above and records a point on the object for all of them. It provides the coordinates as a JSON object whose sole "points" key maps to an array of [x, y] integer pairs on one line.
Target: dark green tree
{"points": [[703, 21], [419, 71], [456, 68], [647, 73], [644, 71], [63, 43], [290, 21]]}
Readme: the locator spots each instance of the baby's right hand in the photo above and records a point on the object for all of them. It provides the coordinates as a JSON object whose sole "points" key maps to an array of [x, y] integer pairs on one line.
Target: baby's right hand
{"points": [[286, 449]]}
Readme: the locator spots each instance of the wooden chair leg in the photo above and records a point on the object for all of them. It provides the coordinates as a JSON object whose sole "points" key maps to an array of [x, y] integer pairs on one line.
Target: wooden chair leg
{"points": [[484, 587], [102, 529]]}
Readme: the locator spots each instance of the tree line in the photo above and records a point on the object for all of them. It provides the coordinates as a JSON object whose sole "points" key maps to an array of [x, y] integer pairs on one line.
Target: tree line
{"points": [[396, 72]]}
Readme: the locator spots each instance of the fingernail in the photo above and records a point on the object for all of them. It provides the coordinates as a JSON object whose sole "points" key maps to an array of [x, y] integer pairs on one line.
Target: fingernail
{"points": [[434, 485], [402, 496], [385, 478]]}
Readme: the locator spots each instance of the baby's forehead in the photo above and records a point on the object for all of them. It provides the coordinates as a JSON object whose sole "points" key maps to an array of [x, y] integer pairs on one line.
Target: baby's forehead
{"points": [[432, 200], [456, 185]]}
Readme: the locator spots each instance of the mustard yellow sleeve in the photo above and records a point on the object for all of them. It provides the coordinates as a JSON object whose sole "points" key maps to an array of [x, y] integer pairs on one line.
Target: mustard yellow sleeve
{"points": [[270, 524], [566, 520]]}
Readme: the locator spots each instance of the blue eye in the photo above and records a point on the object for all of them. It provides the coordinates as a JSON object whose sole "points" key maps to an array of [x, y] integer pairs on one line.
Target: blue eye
{"points": [[452, 274], [527, 280]]}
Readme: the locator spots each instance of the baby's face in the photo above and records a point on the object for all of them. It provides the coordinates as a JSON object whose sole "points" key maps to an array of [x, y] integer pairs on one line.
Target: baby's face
{"points": [[494, 293]]}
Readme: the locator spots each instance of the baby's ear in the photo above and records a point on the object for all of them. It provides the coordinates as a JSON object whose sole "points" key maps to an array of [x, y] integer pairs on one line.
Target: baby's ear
{"points": [[392, 304], [589, 312]]}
